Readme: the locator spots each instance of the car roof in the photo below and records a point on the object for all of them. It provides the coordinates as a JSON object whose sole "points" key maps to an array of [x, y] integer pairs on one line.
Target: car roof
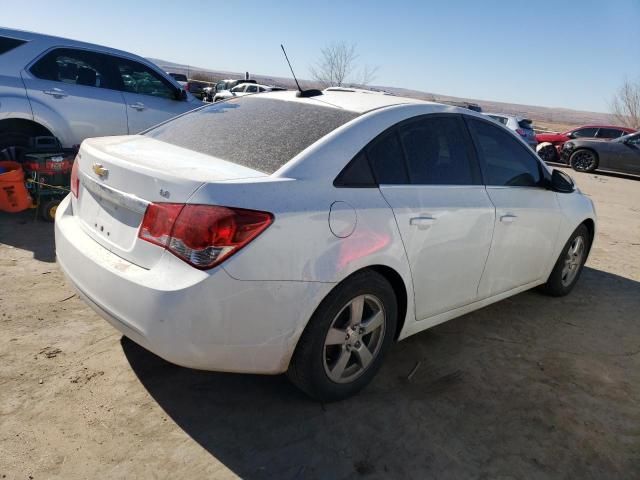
{"points": [[626, 129], [355, 100], [63, 42]]}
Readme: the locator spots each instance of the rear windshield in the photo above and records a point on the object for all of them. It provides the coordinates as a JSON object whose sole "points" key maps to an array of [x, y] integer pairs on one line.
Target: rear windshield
{"points": [[179, 77], [259, 133], [8, 43], [525, 123], [498, 118]]}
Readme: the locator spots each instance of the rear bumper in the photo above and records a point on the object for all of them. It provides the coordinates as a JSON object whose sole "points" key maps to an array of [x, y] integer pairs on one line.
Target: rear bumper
{"points": [[205, 320]]}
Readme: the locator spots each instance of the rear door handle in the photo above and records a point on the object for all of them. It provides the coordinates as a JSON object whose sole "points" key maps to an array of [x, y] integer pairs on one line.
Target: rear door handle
{"points": [[138, 106], [56, 92], [422, 222], [508, 218]]}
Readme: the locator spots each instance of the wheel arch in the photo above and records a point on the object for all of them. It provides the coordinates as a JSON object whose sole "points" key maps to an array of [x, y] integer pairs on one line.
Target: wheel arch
{"points": [[24, 125]]}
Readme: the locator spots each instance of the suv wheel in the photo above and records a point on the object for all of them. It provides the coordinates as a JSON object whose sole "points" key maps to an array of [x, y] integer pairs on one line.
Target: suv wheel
{"points": [[346, 339]]}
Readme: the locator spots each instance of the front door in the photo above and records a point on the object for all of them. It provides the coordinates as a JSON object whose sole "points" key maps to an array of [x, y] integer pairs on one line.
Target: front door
{"points": [[150, 98], [77, 89], [429, 175], [527, 214]]}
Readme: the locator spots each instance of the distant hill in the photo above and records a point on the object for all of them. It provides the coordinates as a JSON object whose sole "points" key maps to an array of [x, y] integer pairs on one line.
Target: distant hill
{"points": [[555, 118]]}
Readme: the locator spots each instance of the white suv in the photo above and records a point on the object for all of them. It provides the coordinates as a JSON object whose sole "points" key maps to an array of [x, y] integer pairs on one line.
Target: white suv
{"points": [[51, 86]]}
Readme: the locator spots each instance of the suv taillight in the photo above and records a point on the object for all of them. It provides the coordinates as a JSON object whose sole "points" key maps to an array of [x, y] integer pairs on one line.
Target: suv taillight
{"points": [[75, 181], [202, 235]]}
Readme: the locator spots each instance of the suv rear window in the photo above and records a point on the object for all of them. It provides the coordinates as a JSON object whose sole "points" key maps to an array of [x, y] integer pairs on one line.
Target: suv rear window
{"points": [[259, 133], [8, 43], [179, 77], [526, 123]]}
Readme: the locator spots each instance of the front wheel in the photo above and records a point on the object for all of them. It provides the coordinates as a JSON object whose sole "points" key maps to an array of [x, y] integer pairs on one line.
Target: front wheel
{"points": [[343, 345], [569, 265], [583, 160]]}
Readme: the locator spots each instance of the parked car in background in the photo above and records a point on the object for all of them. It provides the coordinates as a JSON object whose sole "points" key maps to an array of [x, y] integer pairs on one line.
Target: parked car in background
{"points": [[70, 90], [310, 233], [620, 154], [522, 126], [197, 88], [468, 105], [228, 84], [550, 144], [244, 89]]}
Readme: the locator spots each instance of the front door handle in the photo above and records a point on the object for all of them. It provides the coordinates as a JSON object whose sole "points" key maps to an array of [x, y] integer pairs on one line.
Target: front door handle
{"points": [[138, 106], [422, 222], [56, 92], [508, 218]]}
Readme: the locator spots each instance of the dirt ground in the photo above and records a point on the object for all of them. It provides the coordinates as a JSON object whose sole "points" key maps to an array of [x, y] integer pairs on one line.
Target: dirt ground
{"points": [[532, 387]]}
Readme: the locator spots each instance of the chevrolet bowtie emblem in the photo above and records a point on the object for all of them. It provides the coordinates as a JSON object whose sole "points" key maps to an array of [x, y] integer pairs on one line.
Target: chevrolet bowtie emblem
{"points": [[100, 170]]}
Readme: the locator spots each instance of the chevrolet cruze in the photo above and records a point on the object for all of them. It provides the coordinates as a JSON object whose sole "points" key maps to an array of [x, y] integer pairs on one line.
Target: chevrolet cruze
{"points": [[306, 234]]}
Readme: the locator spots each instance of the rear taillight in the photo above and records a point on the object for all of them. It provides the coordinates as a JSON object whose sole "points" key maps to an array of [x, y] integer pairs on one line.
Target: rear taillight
{"points": [[75, 181], [202, 235], [186, 87], [521, 132]]}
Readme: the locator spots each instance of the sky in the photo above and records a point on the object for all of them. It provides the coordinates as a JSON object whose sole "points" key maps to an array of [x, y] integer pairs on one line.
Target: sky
{"points": [[572, 54]]}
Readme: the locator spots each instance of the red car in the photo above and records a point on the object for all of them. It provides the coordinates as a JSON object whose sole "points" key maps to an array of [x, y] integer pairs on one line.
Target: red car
{"points": [[550, 144]]}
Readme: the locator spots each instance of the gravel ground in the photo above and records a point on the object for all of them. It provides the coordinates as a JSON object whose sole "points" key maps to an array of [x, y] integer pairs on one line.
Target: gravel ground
{"points": [[532, 387]]}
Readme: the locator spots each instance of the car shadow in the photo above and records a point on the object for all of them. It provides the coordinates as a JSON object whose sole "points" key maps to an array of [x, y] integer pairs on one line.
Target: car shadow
{"points": [[25, 230], [530, 387]]}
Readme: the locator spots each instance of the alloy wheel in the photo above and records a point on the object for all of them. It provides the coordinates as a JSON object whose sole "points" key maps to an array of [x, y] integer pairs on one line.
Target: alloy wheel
{"points": [[583, 160], [354, 338], [573, 261]]}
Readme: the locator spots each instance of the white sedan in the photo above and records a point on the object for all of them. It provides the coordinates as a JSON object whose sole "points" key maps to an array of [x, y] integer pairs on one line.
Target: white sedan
{"points": [[244, 89], [309, 234]]}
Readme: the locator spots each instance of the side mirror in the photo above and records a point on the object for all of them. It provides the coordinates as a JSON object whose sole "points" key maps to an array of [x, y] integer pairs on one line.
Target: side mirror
{"points": [[571, 135], [561, 182]]}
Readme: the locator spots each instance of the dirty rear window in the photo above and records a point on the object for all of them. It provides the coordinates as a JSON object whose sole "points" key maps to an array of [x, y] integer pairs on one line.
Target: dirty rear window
{"points": [[259, 133]]}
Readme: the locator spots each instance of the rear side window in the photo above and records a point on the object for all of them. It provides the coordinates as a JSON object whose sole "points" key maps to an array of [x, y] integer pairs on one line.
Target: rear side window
{"points": [[438, 152], [78, 67], [506, 162], [8, 43], [387, 159], [609, 133], [259, 133], [498, 118]]}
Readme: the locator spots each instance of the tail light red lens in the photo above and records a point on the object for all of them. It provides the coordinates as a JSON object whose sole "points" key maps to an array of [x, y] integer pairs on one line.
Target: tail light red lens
{"points": [[75, 180], [521, 132], [202, 235]]}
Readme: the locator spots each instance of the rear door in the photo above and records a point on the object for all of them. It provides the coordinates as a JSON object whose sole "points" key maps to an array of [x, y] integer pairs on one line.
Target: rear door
{"points": [[527, 214], [79, 88], [150, 98], [429, 175]]}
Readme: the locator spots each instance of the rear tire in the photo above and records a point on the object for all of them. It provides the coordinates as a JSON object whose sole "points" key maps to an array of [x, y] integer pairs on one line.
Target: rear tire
{"points": [[583, 160], [346, 339], [568, 267]]}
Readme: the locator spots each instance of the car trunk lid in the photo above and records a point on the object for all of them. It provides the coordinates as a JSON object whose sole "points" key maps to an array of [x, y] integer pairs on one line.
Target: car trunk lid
{"points": [[120, 176]]}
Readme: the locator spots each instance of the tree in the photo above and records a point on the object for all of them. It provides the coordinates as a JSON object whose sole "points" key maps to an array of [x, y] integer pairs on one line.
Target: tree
{"points": [[337, 64], [626, 104]]}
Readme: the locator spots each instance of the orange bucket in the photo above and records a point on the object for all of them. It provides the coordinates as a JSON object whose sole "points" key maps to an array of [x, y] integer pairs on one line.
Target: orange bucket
{"points": [[13, 193]]}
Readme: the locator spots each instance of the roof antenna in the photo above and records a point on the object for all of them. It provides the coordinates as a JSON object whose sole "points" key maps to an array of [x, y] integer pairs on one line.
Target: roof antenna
{"points": [[312, 92]]}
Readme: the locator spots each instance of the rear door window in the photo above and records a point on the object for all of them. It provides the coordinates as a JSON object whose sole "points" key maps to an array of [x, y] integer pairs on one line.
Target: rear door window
{"points": [[505, 161], [259, 133], [438, 151], [609, 133], [78, 67]]}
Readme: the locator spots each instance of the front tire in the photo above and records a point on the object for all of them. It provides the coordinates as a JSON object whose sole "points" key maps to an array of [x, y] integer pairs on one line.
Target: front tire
{"points": [[568, 267], [347, 337], [583, 160]]}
